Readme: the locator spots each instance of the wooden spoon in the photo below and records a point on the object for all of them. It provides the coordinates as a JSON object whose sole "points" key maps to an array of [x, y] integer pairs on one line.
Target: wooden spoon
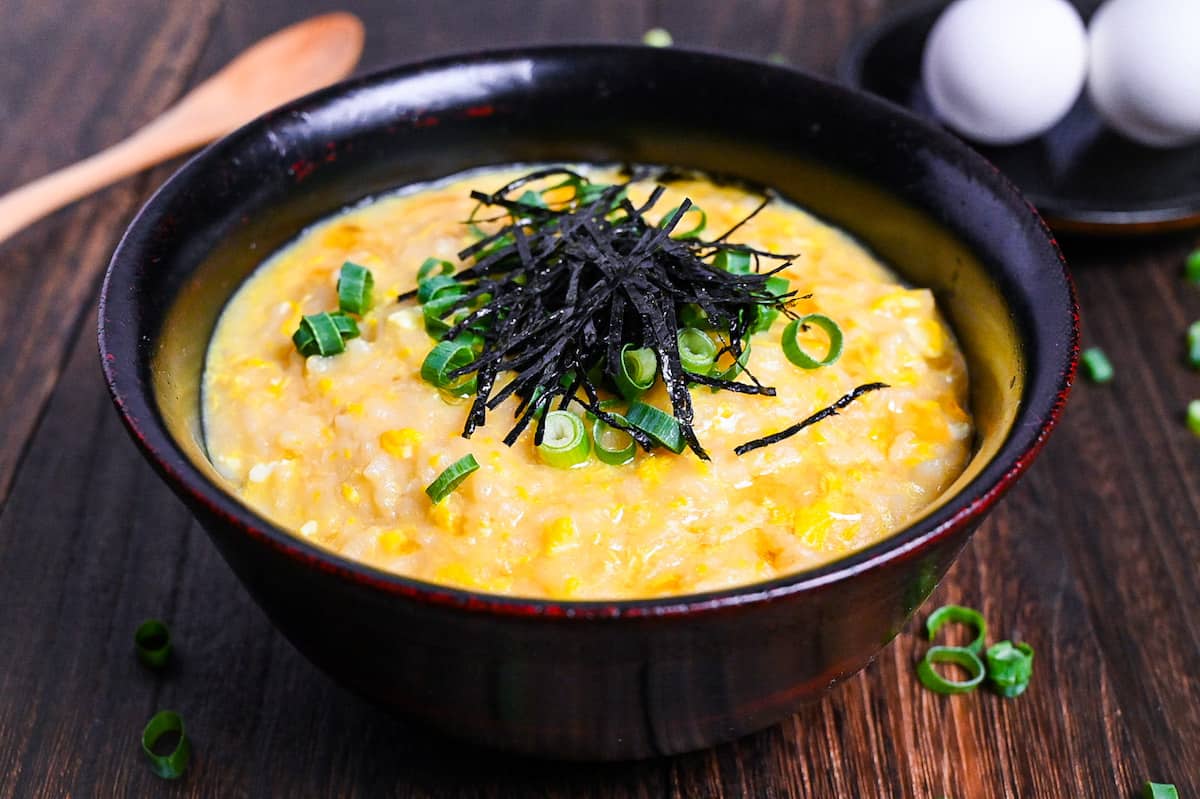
{"points": [[288, 64]]}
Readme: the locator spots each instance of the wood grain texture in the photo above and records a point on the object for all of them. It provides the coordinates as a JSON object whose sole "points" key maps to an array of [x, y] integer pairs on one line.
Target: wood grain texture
{"points": [[66, 91], [1091, 559]]}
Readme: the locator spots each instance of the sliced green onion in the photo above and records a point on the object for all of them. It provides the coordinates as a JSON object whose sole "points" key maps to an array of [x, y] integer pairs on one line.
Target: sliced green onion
{"points": [[564, 441], [796, 354], [1096, 365], [169, 766], [1160, 790], [432, 265], [697, 352], [613, 445], [1009, 667], [960, 615], [346, 326], [472, 340], [660, 426], [354, 287], [532, 198], [695, 232], [692, 315], [957, 655], [434, 311], [735, 262], [1192, 267], [452, 478], [588, 193], [498, 244], [438, 286], [765, 315], [318, 334], [736, 367], [1193, 416], [152, 642], [445, 358], [1193, 343], [535, 399], [606, 405], [639, 368], [657, 37], [778, 286]]}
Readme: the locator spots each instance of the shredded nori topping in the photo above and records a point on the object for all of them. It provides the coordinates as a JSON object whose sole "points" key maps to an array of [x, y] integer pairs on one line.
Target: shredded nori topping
{"points": [[556, 292], [566, 287], [824, 413]]}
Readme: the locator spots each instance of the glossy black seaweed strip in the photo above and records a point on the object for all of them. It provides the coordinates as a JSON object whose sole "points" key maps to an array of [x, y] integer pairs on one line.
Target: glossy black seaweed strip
{"points": [[824, 413], [569, 285]]}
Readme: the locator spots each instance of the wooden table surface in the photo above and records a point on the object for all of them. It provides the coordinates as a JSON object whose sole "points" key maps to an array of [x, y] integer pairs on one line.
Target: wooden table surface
{"points": [[1092, 559]]}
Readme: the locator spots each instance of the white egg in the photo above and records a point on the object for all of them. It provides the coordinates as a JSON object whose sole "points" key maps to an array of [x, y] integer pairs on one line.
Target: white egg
{"points": [[1002, 71], [1145, 74]]}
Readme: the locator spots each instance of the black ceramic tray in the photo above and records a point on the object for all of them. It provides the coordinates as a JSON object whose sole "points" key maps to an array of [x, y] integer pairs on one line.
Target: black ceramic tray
{"points": [[1080, 175]]}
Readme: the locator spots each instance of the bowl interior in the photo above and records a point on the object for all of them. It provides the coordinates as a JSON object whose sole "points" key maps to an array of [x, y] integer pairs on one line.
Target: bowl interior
{"points": [[927, 206]]}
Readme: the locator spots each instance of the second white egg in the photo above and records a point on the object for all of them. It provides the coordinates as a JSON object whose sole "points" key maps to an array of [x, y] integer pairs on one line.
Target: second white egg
{"points": [[1145, 73]]}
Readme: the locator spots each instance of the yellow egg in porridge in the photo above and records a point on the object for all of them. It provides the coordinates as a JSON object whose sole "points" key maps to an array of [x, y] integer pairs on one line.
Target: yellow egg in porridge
{"points": [[581, 384]]}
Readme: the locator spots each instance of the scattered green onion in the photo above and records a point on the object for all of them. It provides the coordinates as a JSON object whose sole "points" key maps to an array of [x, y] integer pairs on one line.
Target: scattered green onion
{"points": [[959, 615], [1193, 343], [1192, 267], [639, 367], [345, 325], [613, 445], [1009, 667], [354, 288], [605, 405], [452, 478], [657, 37], [1193, 416], [588, 193], [1160, 790], [736, 366], [539, 408], [735, 262], [444, 359], [692, 315], [434, 311], [793, 350], [660, 426], [1096, 365], [565, 441], [152, 642], [960, 656], [438, 286], [169, 766], [532, 198], [697, 352], [767, 314], [432, 265], [318, 334], [695, 232]]}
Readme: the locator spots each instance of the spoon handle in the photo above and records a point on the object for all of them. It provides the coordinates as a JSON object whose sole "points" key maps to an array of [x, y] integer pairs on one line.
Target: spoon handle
{"points": [[31, 202], [299, 59]]}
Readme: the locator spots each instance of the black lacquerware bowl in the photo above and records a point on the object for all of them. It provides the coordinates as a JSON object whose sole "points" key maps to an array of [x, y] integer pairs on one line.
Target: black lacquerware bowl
{"points": [[593, 679]]}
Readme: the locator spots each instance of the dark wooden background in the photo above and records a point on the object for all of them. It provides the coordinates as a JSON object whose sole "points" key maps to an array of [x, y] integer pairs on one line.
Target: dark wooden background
{"points": [[1092, 559]]}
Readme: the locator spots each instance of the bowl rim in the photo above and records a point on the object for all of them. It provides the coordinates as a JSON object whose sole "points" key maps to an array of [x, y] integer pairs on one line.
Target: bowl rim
{"points": [[120, 358]]}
